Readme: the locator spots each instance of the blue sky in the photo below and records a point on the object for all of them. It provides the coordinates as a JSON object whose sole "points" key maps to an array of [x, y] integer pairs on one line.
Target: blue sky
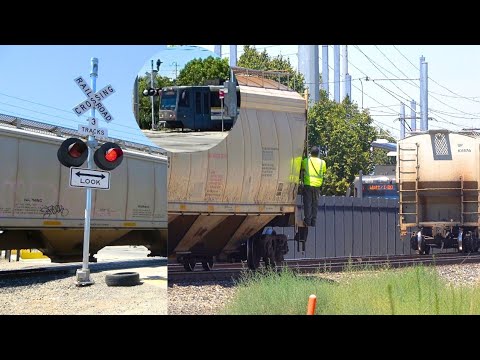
{"points": [[173, 59], [36, 82], [454, 99]]}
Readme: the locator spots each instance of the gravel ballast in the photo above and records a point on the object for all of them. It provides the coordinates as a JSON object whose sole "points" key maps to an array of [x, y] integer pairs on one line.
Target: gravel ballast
{"points": [[59, 294]]}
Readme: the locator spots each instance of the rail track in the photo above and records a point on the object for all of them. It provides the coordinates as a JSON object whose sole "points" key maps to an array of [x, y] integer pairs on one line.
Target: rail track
{"points": [[71, 268], [227, 271]]}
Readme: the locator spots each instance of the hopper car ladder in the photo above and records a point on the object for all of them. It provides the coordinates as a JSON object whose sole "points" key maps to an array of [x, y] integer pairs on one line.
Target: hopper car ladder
{"points": [[464, 202], [408, 165]]}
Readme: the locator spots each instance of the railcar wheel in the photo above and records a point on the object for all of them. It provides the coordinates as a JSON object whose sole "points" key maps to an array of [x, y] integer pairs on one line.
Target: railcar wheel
{"points": [[467, 243], [253, 260], [269, 263], [475, 245], [189, 264], [413, 243], [207, 265], [423, 248], [426, 251]]}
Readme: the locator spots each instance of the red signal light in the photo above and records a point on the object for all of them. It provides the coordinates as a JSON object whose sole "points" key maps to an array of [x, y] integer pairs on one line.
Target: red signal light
{"points": [[113, 154], [75, 150], [72, 152], [108, 156]]}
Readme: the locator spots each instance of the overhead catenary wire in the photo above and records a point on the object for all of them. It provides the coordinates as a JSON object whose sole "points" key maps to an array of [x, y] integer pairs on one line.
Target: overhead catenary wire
{"points": [[411, 82], [458, 96], [430, 92], [378, 68]]}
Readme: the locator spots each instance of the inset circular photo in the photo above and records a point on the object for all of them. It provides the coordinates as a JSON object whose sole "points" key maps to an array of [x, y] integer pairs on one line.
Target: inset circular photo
{"points": [[186, 99]]}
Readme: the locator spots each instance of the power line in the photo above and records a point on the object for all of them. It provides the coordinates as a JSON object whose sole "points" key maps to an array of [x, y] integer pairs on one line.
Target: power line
{"points": [[356, 87], [391, 62], [406, 58], [458, 96], [389, 126], [451, 107], [394, 94], [448, 113], [52, 107], [386, 112], [75, 121], [373, 107], [445, 121], [378, 68]]}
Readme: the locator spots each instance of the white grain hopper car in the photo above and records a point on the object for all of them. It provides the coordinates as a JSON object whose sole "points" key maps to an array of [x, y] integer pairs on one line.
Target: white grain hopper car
{"points": [[220, 199], [38, 208], [438, 174]]}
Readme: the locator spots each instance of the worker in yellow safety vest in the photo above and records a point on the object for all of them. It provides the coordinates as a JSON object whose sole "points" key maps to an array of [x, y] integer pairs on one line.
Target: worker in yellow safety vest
{"points": [[314, 170]]}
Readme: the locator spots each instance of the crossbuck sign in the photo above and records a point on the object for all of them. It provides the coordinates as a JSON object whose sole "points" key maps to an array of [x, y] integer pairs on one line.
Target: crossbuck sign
{"points": [[93, 99]]}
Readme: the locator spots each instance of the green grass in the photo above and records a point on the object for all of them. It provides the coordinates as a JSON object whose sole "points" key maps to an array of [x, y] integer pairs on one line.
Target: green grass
{"points": [[417, 290]]}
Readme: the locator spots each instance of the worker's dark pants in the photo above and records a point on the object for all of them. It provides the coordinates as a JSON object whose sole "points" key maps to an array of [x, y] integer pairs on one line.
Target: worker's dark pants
{"points": [[310, 204]]}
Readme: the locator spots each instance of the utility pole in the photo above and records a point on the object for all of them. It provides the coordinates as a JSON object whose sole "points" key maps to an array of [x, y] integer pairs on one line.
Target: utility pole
{"points": [[402, 121], [233, 55], [413, 115], [325, 68], [423, 94], [176, 67], [424, 99], [336, 72], [308, 66]]}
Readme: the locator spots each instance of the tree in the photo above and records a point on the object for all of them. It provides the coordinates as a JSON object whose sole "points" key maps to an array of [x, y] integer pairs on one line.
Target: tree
{"points": [[196, 71], [145, 104], [344, 135], [252, 59]]}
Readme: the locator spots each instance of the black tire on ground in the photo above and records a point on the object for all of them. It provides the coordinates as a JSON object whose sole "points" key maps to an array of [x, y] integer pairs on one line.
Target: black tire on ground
{"points": [[123, 279]]}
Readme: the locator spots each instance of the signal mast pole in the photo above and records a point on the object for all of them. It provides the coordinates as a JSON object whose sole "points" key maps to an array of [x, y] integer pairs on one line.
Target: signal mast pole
{"points": [[83, 275], [151, 97]]}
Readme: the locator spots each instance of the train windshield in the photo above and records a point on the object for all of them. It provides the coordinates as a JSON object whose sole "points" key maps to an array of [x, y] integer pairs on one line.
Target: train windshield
{"points": [[169, 100]]}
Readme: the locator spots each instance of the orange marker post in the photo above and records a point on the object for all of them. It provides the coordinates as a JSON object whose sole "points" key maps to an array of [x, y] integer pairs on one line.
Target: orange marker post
{"points": [[312, 302]]}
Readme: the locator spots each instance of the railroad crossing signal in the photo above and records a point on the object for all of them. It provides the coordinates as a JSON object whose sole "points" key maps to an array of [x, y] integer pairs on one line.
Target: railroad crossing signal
{"points": [[152, 92], [93, 99], [73, 152]]}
